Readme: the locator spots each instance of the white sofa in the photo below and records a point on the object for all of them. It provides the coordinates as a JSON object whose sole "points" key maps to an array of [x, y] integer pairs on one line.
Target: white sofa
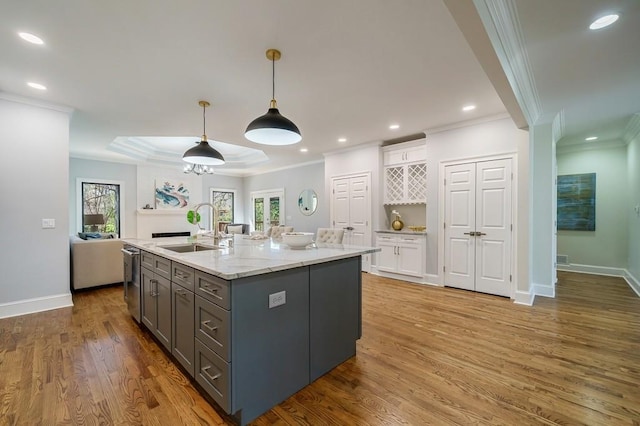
{"points": [[95, 262]]}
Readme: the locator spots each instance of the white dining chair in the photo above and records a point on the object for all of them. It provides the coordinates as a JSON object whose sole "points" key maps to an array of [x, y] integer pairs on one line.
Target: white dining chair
{"points": [[329, 235]]}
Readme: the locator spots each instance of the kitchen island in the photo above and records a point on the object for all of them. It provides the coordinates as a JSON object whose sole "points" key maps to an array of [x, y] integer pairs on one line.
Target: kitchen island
{"points": [[252, 321]]}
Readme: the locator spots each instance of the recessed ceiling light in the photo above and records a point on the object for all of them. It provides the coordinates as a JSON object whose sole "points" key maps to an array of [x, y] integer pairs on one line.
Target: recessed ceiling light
{"points": [[303, 150], [36, 85], [31, 38], [604, 21], [468, 107], [341, 140], [591, 138], [394, 126]]}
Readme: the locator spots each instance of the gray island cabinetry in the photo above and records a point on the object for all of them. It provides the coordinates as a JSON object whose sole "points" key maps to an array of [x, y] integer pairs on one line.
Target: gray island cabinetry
{"points": [[254, 323]]}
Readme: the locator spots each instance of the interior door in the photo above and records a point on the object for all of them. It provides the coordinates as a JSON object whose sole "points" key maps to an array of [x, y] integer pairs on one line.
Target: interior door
{"points": [[351, 211], [478, 226]]}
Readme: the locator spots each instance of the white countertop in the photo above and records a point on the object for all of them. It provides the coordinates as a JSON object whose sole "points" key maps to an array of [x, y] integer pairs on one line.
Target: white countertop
{"points": [[247, 257]]}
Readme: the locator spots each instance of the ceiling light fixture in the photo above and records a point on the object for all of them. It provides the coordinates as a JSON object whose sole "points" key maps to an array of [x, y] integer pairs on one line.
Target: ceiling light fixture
{"points": [[591, 138], [604, 21], [203, 154], [342, 140], [36, 85], [304, 150], [198, 169], [468, 108], [31, 38], [273, 128], [394, 126]]}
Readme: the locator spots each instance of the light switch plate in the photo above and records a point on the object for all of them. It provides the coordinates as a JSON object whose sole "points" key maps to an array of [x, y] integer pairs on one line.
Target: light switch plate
{"points": [[277, 299], [48, 223]]}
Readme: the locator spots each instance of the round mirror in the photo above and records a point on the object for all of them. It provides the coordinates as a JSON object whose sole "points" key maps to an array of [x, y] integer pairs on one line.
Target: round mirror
{"points": [[307, 202]]}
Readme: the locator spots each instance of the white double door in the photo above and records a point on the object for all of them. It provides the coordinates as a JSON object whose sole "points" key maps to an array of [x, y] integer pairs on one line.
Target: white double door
{"points": [[351, 210], [478, 226]]}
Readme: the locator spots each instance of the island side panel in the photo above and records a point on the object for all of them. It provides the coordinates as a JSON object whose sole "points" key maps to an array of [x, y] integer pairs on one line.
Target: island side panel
{"points": [[270, 346], [335, 313]]}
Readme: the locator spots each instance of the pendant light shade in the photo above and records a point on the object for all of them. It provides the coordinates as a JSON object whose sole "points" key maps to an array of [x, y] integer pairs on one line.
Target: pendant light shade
{"points": [[203, 153], [273, 128]]}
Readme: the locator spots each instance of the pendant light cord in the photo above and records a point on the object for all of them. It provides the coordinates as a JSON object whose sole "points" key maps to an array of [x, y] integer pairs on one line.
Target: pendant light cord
{"points": [[204, 121], [273, 77]]}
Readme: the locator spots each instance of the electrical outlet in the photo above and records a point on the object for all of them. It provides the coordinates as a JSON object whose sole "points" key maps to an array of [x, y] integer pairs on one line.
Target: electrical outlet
{"points": [[48, 223], [277, 299]]}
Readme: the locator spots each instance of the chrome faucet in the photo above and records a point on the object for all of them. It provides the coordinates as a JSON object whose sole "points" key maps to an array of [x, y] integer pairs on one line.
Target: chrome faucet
{"points": [[216, 218]]}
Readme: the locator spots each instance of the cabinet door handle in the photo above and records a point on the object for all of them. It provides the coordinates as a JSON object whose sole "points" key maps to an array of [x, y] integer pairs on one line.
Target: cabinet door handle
{"points": [[398, 250], [154, 288], [206, 325], [470, 233], [205, 371], [479, 234]]}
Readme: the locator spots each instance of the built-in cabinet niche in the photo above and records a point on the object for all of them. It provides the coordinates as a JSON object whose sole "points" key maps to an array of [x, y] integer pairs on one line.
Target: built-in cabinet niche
{"points": [[405, 173]]}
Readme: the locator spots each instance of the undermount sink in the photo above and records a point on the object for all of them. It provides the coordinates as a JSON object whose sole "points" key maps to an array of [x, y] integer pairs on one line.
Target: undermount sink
{"points": [[187, 248]]}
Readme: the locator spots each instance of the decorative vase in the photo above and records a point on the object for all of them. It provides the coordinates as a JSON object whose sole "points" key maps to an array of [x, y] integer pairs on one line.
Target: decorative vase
{"points": [[397, 224]]}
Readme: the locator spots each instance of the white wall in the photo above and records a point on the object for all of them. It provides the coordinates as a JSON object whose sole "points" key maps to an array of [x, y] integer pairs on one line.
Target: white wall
{"points": [[608, 245], [633, 170], [34, 169], [103, 170], [542, 194], [293, 180], [479, 140]]}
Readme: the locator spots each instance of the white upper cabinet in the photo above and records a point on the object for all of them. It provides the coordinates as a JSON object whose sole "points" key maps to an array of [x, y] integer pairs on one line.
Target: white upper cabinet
{"points": [[405, 173]]}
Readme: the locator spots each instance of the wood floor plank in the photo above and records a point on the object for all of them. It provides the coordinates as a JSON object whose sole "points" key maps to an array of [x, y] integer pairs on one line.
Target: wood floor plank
{"points": [[428, 355]]}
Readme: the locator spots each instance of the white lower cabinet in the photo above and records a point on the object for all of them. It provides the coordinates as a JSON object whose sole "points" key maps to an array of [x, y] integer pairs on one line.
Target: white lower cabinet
{"points": [[401, 254]]}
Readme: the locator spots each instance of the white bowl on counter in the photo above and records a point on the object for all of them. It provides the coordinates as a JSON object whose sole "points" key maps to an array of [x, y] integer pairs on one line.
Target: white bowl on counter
{"points": [[297, 240]]}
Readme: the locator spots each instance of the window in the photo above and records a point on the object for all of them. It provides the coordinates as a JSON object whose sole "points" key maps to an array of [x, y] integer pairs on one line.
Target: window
{"points": [[99, 206], [224, 200]]}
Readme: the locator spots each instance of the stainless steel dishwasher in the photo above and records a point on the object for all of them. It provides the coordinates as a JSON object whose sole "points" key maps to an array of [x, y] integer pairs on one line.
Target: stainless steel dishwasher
{"points": [[132, 290]]}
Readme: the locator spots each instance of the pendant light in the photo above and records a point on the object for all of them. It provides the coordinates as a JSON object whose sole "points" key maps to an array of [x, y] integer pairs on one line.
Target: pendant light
{"points": [[203, 153], [272, 128]]}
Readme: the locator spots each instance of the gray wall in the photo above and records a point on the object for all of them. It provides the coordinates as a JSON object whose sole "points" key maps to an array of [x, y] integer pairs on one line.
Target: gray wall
{"points": [[608, 245], [225, 182], [35, 173], [293, 180], [103, 170]]}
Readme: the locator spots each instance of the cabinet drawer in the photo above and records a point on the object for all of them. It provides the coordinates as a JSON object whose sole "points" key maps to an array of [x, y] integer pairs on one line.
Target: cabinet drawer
{"points": [[147, 260], [212, 373], [212, 327], [213, 289], [183, 275], [162, 267]]}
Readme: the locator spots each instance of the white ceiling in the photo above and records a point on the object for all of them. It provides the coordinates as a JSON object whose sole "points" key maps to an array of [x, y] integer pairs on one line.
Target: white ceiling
{"points": [[349, 69]]}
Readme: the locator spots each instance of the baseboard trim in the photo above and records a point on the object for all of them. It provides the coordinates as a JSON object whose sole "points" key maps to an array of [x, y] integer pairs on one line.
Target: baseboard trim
{"points": [[401, 277], [544, 290], [39, 304], [524, 298], [590, 269], [633, 282]]}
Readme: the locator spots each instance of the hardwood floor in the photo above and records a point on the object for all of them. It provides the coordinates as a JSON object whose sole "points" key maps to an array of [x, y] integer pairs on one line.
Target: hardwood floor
{"points": [[427, 356]]}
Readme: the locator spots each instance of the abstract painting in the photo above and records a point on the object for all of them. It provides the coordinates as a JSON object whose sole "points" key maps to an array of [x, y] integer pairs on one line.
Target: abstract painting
{"points": [[171, 195], [577, 202]]}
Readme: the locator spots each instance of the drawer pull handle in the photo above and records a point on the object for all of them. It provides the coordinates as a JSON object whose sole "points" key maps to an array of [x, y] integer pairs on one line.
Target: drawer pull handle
{"points": [[181, 275], [208, 289], [206, 325], [205, 371], [181, 292]]}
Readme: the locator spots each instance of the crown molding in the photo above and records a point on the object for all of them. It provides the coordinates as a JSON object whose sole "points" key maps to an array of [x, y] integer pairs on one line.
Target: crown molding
{"points": [[35, 102], [466, 123], [557, 126], [500, 18], [580, 147], [632, 130]]}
